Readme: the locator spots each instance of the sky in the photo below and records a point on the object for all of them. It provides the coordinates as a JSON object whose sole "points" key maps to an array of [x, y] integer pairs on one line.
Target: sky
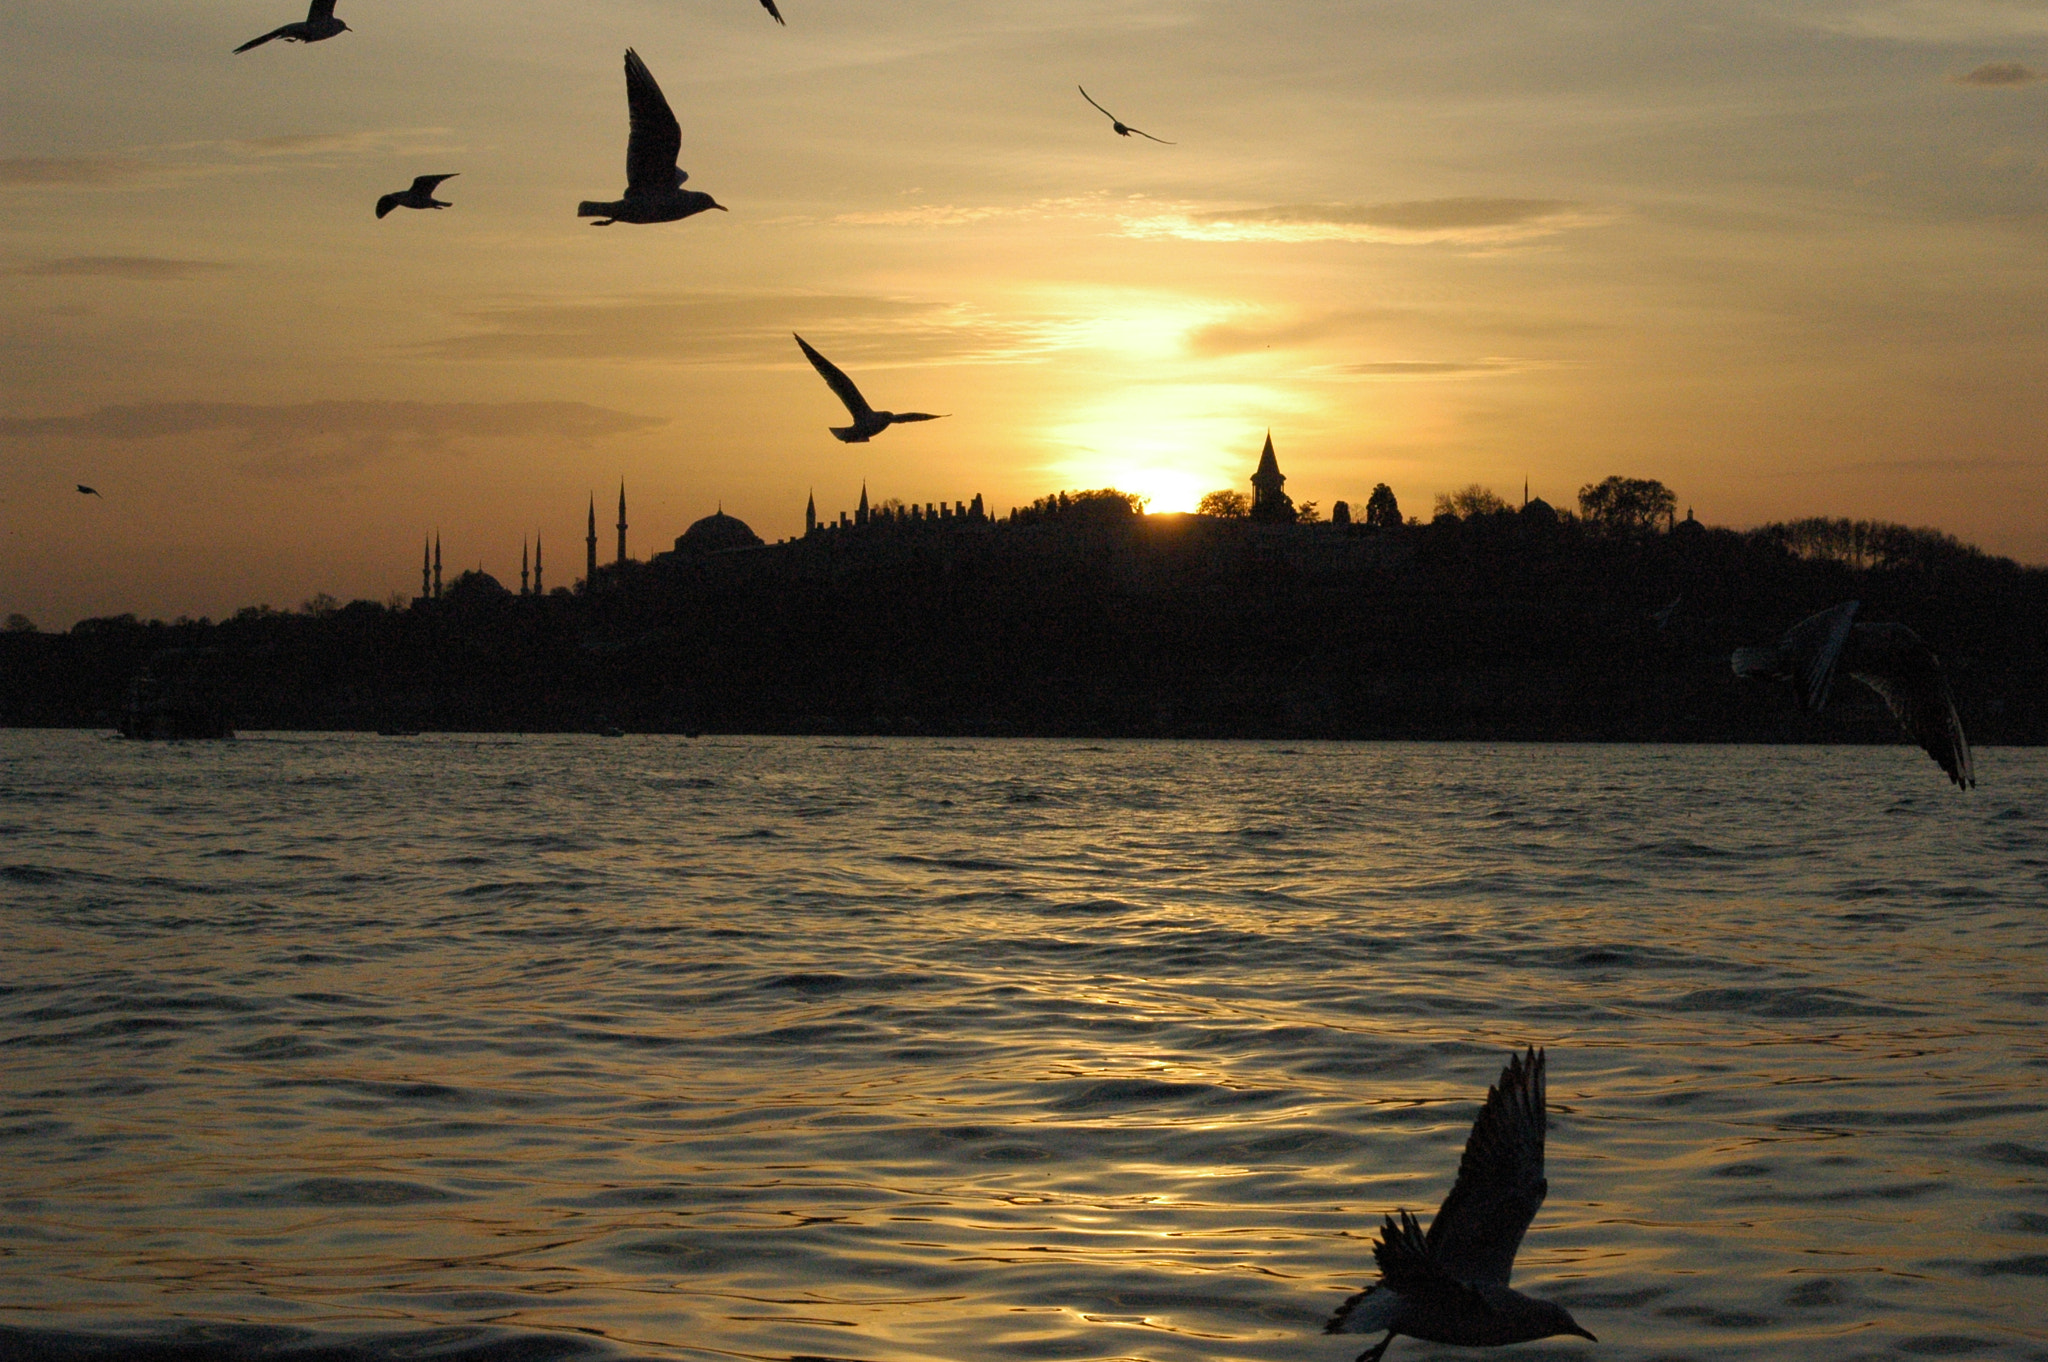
{"points": [[1789, 258]]}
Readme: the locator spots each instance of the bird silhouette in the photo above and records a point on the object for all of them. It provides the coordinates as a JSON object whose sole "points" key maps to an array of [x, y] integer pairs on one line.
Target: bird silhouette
{"points": [[654, 183], [1889, 658], [867, 422], [773, 12], [421, 195], [1122, 129], [90, 491], [318, 24], [1451, 1285]]}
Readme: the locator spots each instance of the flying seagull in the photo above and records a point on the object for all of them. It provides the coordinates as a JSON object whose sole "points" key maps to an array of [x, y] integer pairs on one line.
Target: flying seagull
{"points": [[1451, 1285], [1889, 658], [90, 491], [867, 422], [421, 195], [654, 183], [774, 13], [1121, 129], [319, 23]]}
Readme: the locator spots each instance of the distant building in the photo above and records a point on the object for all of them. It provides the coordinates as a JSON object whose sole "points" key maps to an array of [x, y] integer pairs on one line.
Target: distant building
{"points": [[1269, 502]]}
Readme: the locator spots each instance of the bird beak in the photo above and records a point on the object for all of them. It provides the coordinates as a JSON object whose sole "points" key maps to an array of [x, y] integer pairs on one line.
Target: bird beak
{"points": [[721, 208], [1585, 1333]]}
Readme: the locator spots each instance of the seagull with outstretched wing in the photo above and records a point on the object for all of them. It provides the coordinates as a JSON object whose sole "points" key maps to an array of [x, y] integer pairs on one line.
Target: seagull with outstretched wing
{"points": [[867, 422], [421, 195], [774, 13], [1889, 658], [319, 23], [1451, 1285], [1122, 129], [89, 491], [654, 182]]}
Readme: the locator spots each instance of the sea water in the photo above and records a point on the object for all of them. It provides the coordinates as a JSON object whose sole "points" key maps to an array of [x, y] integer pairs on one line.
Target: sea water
{"points": [[337, 1046]]}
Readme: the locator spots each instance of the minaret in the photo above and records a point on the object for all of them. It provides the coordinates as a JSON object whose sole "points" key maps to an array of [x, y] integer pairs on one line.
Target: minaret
{"points": [[590, 548], [426, 562], [437, 567], [860, 517], [811, 513], [536, 566], [622, 522], [522, 569], [1525, 492]]}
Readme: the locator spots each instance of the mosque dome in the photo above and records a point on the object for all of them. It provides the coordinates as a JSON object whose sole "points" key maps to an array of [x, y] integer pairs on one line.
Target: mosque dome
{"points": [[477, 587], [1539, 512], [717, 532]]}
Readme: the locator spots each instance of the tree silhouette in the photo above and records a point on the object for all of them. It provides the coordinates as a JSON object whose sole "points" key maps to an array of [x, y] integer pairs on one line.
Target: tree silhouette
{"points": [[1469, 501], [1627, 505], [1226, 504], [1381, 510]]}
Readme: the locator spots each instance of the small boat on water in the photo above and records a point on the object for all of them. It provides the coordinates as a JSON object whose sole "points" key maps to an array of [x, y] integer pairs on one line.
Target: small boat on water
{"points": [[181, 693]]}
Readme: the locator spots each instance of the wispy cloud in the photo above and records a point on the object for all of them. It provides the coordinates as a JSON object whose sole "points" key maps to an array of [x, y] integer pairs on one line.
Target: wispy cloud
{"points": [[1924, 21], [1432, 368], [176, 162], [1473, 221], [744, 330], [39, 171], [145, 268], [1937, 464], [370, 141], [961, 215], [305, 439], [1999, 74]]}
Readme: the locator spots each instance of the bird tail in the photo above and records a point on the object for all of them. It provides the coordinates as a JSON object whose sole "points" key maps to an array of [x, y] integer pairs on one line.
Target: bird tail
{"points": [[258, 42], [1368, 1312], [591, 209], [848, 435]]}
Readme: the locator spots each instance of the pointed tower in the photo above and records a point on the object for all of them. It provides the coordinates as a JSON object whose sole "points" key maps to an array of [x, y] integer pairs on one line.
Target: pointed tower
{"points": [[1268, 501], [622, 521], [522, 569], [811, 513], [437, 567], [536, 566], [590, 547], [426, 566], [860, 517]]}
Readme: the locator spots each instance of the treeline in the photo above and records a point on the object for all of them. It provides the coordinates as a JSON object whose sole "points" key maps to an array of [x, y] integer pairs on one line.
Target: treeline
{"points": [[1085, 618]]}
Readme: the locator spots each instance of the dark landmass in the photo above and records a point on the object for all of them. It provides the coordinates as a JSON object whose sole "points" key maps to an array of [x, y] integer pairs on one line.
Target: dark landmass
{"points": [[1100, 623]]}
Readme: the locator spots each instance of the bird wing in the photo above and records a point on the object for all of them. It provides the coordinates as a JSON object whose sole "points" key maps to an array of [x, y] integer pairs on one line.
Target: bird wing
{"points": [[1149, 137], [1813, 645], [389, 202], [426, 184], [319, 10], [896, 416], [656, 139], [1105, 113], [856, 405], [1893, 661], [773, 12], [274, 33], [1500, 1180]]}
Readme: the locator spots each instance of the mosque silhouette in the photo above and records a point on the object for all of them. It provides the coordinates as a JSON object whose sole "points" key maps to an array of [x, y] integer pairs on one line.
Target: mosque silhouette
{"points": [[720, 533]]}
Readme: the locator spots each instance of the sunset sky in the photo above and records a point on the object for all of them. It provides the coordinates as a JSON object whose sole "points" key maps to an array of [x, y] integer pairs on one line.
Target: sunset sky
{"points": [[1790, 258]]}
